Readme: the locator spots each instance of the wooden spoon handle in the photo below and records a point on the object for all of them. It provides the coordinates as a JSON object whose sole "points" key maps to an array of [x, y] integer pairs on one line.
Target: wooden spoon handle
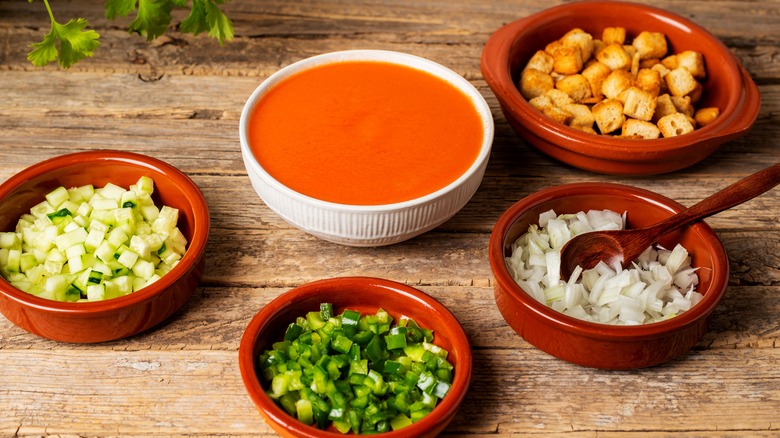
{"points": [[735, 194]]}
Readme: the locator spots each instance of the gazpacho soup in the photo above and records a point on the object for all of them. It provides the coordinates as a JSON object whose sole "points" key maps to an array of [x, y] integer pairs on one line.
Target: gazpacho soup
{"points": [[365, 132]]}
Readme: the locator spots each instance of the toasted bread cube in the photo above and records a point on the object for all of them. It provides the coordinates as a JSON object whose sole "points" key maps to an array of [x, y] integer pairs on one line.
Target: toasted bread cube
{"points": [[580, 38], [650, 44], [567, 60], [595, 73], [616, 83], [553, 46], [663, 107], [640, 129], [674, 125], [559, 98], [696, 94], [694, 62], [704, 116], [609, 115], [683, 105], [639, 104], [649, 80], [634, 64], [597, 46], [541, 61], [615, 57], [546, 106], [662, 70], [614, 35], [535, 83], [631, 50], [680, 81], [649, 62], [541, 102], [670, 62], [581, 115], [575, 86]]}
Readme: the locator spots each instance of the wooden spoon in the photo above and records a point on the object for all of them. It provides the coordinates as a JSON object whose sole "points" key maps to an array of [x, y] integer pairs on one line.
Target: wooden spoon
{"points": [[625, 246]]}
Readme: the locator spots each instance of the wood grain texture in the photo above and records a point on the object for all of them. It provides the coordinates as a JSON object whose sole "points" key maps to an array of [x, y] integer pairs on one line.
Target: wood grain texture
{"points": [[180, 98]]}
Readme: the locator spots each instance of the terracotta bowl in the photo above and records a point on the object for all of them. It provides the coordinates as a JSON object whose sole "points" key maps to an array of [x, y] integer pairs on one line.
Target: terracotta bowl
{"points": [[367, 225], [602, 345], [365, 295], [88, 322], [728, 86]]}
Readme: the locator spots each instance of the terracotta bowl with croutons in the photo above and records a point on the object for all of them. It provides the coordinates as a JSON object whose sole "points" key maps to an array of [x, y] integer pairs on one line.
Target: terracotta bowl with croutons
{"points": [[619, 88]]}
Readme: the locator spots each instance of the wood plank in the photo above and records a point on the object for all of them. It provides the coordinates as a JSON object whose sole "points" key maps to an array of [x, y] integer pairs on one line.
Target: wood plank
{"points": [[179, 392]]}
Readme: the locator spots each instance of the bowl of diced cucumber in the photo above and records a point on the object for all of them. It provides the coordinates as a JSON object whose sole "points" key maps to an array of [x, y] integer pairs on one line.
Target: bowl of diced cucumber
{"points": [[98, 246], [356, 355]]}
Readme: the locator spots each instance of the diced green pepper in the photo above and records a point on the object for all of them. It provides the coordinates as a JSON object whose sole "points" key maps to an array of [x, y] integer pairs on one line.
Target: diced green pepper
{"points": [[355, 372]]}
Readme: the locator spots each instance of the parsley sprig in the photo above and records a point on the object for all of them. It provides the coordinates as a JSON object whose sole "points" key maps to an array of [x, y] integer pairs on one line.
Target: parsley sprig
{"points": [[71, 42]]}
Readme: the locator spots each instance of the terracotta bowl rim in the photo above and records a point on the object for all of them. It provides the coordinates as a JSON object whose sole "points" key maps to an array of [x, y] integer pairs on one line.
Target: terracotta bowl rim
{"points": [[497, 74], [591, 329], [195, 248], [479, 104], [443, 411]]}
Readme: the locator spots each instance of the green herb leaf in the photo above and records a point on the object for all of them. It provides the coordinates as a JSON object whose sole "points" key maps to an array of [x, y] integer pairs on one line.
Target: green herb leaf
{"points": [[153, 18], [75, 44], [205, 16], [119, 8]]}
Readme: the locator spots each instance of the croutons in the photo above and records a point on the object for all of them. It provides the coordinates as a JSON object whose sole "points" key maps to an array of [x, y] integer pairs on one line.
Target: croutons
{"points": [[581, 39], [674, 125], [596, 73], [705, 116], [680, 81], [609, 115], [616, 83], [581, 115], [575, 86], [567, 60], [649, 80], [611, 86], [640, 129], [639, 104], [693, 62], [663, 107], [614, 56], [614, 35], [544, 104], [650, 44], [541, 61], [534, 83]]}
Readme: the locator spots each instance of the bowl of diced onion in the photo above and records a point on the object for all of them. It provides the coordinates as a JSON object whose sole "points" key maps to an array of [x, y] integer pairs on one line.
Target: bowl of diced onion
{"points": [[98, 246], [606, 317]]}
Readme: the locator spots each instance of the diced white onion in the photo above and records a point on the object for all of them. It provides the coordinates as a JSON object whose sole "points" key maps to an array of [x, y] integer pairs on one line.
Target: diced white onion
{"points": [[659, 285]]}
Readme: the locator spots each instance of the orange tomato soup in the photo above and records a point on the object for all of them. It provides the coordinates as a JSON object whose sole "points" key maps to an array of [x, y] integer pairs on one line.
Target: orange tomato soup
{"points": [[365, 133]]}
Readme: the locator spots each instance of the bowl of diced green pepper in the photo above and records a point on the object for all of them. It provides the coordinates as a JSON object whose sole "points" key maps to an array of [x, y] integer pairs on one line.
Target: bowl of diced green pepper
{"points": [[355, 355]]}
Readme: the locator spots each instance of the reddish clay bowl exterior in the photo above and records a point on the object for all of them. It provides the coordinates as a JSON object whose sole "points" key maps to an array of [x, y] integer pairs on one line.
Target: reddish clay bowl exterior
{"points": [[364, 294], [728, 86], [601, 345], [89, 322]]}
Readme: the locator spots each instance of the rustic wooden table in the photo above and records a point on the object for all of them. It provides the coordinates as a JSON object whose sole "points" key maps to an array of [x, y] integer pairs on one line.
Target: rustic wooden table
{"points": [[179, 99]]}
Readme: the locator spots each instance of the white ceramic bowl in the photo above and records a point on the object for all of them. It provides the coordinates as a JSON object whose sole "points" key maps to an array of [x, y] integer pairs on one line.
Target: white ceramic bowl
{"points": [[368, 225]]}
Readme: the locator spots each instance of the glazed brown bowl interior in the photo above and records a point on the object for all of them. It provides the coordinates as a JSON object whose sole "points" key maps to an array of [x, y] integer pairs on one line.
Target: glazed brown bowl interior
{"points": [[87, 322], [603, 345], [366, 295], [727, 86]]}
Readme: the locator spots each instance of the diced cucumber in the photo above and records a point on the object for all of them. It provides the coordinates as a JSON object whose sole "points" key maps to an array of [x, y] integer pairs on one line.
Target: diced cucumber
{"points": [[111, 191], [57, 196], [9, 240], [92, 244]]}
